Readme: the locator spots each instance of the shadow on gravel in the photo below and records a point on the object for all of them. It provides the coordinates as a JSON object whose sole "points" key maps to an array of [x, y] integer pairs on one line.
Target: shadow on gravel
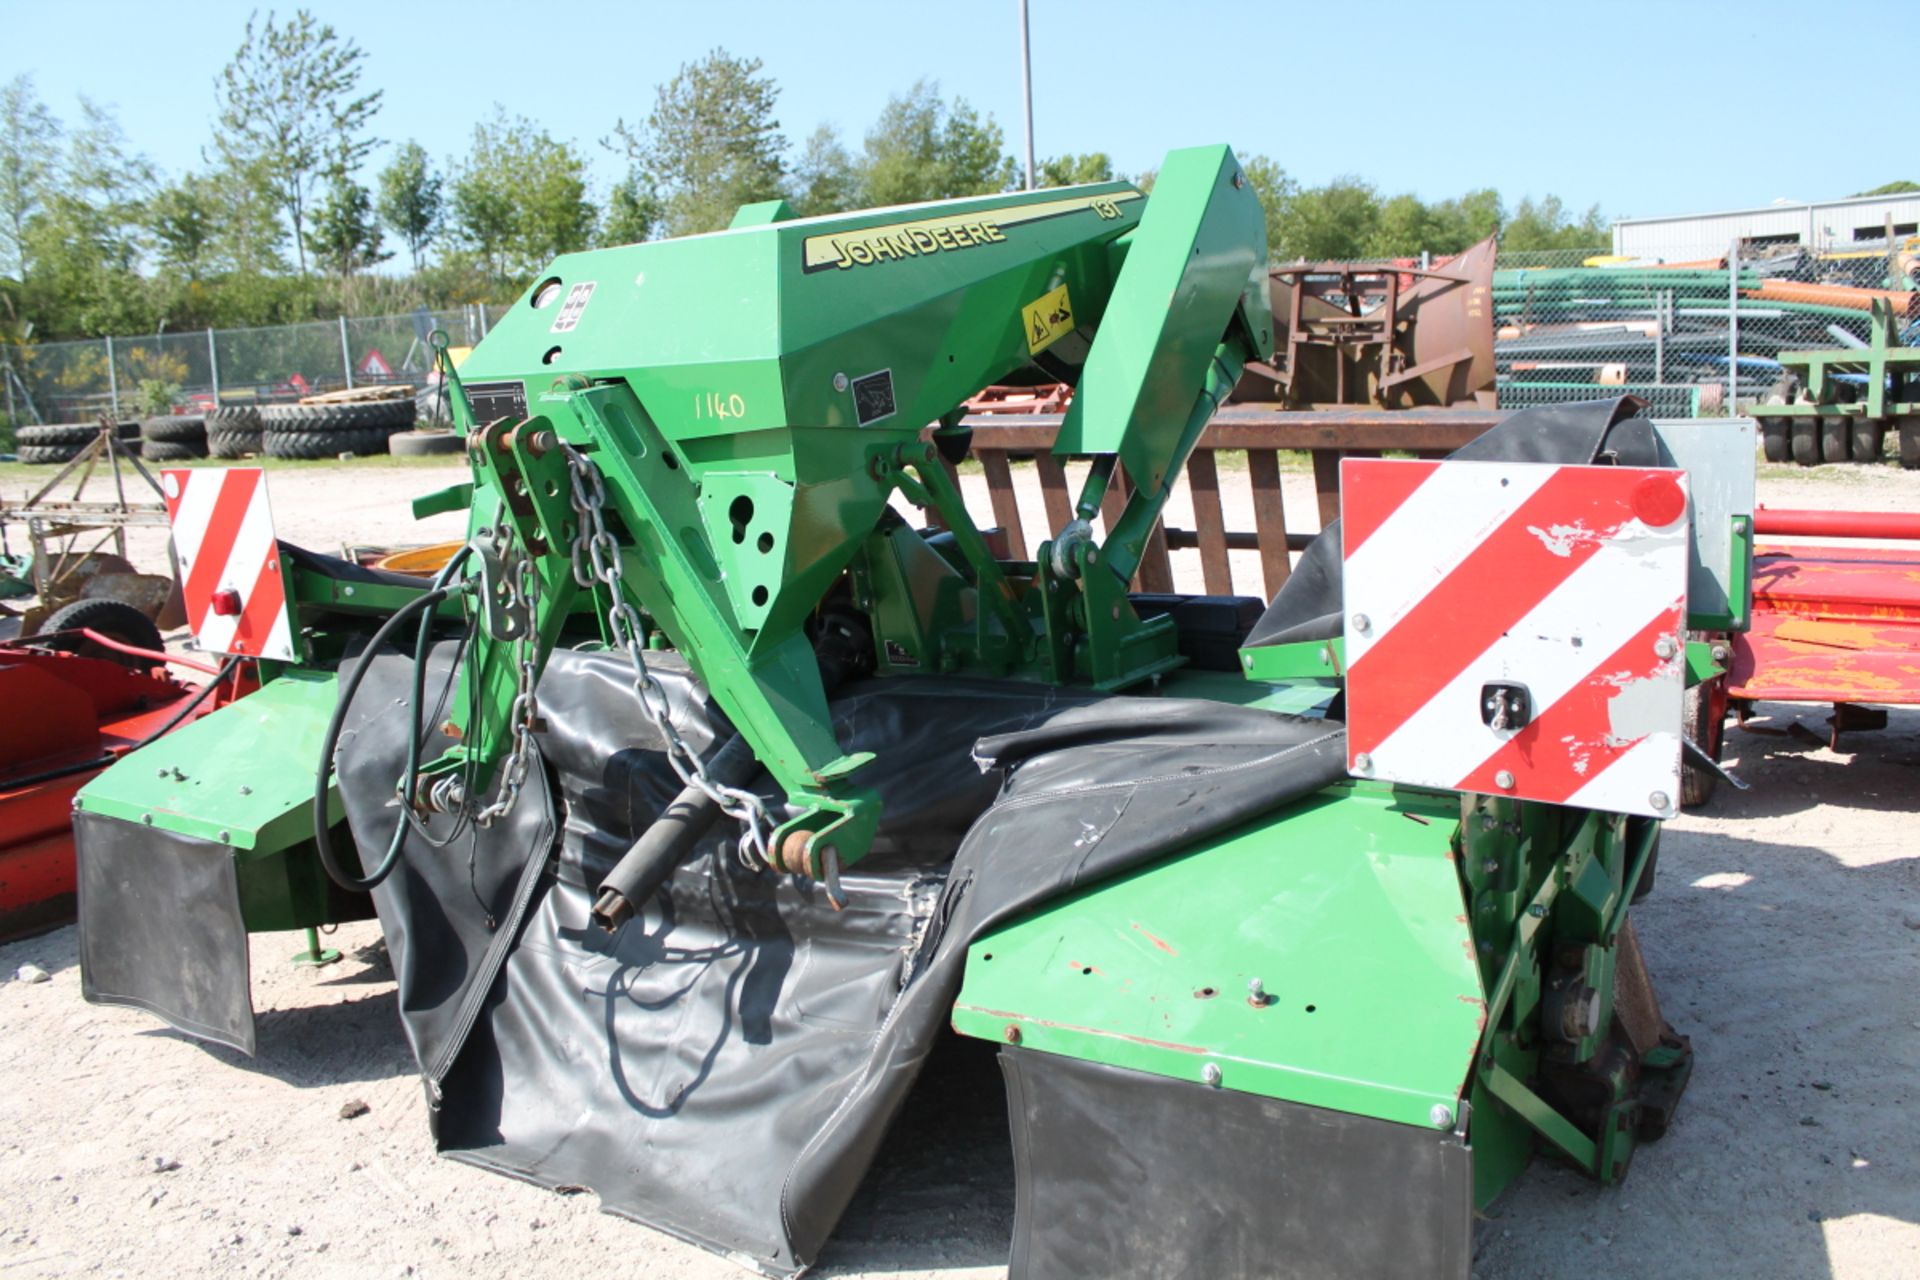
{"points": [[312, 1046], [940, 1193], [1790, 1155], [1781, 752]]}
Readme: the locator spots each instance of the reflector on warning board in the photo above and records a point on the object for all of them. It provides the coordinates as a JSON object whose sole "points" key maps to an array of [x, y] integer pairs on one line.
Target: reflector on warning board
{"points": [[1517, 629], [230, 576]]}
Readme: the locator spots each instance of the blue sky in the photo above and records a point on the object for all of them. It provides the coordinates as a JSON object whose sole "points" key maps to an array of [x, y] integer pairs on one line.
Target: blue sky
{"points": [[1643, 108]]}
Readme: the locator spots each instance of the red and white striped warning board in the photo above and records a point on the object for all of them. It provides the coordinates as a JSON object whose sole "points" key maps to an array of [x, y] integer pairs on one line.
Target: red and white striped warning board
{"points": [[235, 596], [1517, 629]]}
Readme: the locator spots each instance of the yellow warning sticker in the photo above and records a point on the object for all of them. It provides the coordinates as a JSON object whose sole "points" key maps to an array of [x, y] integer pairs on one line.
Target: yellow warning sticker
{"points": [[1048, 319]]}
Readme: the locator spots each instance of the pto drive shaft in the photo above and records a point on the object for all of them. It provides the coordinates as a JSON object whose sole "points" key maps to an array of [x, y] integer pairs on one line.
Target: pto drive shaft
{"points": [[665, 844]]}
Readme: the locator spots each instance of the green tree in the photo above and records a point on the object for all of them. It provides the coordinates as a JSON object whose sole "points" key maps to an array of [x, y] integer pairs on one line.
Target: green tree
{"points": [[710, 144], [410, 200], [1465, 220], [922, 148], [346, 236], [520, 198], [1071, 170], [1273, 187], [183, 220], [824, 179], [1404, 228], [1338, 220], [29, 167], [248, 231], [1548, 226], [85, 242], [1898, 188], [632, 214], [291, 110]]}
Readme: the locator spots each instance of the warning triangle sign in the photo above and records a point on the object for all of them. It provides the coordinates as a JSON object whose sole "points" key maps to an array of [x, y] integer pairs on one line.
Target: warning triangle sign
{"points": [[374, 364]]}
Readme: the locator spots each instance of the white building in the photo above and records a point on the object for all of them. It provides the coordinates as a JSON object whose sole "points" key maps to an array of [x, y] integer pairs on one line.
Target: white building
{"points": [[1822, 225]]}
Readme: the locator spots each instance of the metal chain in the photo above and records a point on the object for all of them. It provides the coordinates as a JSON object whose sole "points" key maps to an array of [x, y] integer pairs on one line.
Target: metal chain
{"points": [[523, 595], [596, 561]]}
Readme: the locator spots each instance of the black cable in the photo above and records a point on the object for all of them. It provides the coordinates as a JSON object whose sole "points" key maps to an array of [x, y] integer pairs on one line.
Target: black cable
{"points": [[321, 838], [423, 641], [67, 771]]}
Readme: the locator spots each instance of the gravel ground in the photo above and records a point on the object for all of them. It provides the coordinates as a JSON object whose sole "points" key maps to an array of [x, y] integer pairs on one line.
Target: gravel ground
{"points": [[1784, 934]]}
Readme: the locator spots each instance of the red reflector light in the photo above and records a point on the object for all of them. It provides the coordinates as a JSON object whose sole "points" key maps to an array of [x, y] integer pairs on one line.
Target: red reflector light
{"points": [[226, 603]]}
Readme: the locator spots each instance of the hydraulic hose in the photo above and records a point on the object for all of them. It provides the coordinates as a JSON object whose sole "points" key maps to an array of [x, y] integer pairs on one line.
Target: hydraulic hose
{"points": [[322, 837]]}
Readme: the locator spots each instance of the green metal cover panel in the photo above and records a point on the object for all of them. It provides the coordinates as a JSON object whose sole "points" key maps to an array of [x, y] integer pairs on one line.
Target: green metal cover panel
{"points": [[769, 324], [1346, 906], [241, 776]]}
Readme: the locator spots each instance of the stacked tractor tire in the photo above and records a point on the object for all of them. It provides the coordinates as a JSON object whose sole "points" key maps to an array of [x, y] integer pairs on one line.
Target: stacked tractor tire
{"points": [[63, 441], [174, 438], [328, 430], [233, 431], [357, 427]]}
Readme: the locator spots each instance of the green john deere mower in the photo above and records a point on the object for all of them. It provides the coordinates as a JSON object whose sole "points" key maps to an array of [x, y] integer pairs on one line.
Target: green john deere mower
{"points": [[727, 768]]}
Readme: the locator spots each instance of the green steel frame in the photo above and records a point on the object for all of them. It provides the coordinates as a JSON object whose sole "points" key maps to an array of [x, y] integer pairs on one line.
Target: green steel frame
{"points": [[752, 402], [1885, 361], [753, 399]]}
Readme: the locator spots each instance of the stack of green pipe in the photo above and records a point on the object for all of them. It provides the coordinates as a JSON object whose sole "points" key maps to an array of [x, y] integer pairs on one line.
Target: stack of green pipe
{"points": [[1518, 291]]}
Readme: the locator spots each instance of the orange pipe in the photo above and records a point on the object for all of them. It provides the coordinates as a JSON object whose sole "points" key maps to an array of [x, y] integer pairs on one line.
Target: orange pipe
{"points": [[1833, 295]]}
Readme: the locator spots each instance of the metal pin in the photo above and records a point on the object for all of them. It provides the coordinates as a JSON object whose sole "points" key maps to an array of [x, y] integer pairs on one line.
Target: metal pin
{"points": [[1660, 800], [1363, 763], [1664, 646], [839, 382], [1210, 1074], [1362, 623], [1441, 1116], [1503, 780]]}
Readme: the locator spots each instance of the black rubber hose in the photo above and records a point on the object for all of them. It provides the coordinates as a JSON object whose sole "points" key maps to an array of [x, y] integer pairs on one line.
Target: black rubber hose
{"points": [[321, 838], [67, 771], [668, 839]]}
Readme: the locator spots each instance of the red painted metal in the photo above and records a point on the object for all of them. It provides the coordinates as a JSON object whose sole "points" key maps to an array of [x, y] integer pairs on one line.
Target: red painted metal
{"points": [[64, 710], [1786, 523], [1836, 624]]}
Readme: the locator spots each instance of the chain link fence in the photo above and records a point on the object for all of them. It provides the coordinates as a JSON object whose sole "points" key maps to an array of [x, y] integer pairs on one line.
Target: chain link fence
{"points": [[78, 381], [1699, 332]]}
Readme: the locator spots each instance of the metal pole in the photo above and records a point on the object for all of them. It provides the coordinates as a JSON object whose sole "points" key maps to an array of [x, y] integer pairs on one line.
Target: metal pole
{"points": [[1733, 326], [213, 366], [113, 381], [1026, 91], [346, 356], [1661, 301]]}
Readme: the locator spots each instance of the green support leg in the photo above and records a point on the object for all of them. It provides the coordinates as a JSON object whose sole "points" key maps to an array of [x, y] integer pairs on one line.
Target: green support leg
{"points": [[315, 956]]}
